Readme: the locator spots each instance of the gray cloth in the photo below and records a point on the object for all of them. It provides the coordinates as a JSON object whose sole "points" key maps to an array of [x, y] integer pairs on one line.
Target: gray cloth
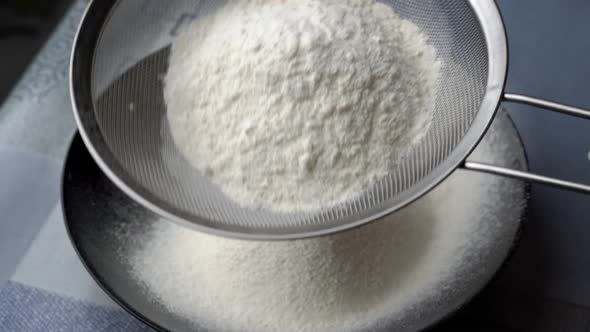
{"points": [[49, 289], [35, 128], [33, 310]]}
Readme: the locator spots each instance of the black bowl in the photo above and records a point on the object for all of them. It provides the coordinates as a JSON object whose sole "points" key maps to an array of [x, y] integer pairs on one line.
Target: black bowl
{"points": [[94, 209]]}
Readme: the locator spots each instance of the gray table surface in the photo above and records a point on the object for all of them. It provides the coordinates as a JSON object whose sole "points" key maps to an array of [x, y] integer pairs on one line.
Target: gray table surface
{"points": [[546, 286]]}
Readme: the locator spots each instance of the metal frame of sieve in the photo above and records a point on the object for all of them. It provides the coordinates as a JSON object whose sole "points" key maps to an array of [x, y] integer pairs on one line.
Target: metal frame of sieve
{"points": [[122, 157]]}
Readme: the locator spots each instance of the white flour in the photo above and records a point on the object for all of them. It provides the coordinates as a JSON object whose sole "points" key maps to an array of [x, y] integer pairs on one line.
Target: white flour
{"points": [[403, 273], [298, 104]]}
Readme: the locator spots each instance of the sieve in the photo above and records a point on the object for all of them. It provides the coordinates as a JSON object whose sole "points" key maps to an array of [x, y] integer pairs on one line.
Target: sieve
{"points": [[119, 58]]}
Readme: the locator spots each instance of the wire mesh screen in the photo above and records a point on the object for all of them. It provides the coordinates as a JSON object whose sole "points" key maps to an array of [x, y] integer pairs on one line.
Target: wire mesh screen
{"points": [[130, 60]]}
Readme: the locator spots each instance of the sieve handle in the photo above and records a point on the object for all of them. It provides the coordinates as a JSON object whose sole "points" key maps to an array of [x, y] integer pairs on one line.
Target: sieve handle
{"points": [[512, 173], [527, 176], [548, 105]]}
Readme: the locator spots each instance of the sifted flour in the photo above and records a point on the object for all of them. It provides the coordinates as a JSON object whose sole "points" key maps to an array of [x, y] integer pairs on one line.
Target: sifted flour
{"points": [[298, 104], [399, 274]]}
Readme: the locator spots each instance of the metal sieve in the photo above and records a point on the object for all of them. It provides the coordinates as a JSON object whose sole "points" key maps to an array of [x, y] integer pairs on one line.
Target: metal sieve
{"points": [[120, 56]]}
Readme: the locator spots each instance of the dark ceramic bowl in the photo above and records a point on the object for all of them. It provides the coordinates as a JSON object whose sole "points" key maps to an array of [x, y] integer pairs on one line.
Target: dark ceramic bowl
{"points": [[94, 207]]}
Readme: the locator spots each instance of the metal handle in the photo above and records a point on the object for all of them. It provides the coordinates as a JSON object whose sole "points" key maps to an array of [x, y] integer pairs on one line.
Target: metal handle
{"points": [[512, 173], [548, 105]]}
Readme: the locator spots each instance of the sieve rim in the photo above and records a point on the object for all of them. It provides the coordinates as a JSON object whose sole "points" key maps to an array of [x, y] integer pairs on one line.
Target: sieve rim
{"points": [[82, 59]]}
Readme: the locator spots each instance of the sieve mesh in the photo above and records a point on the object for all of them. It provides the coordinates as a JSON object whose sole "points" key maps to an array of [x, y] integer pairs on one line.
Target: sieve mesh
{"points": [[124, 124]]}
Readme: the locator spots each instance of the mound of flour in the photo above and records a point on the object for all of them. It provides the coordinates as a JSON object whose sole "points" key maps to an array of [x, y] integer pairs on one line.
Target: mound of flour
{"points": [[399, 274], [298, 104]]}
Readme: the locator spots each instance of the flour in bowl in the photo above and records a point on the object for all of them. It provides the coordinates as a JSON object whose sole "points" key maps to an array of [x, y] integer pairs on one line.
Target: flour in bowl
{"points": [[299, 104], [398, 274]]}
